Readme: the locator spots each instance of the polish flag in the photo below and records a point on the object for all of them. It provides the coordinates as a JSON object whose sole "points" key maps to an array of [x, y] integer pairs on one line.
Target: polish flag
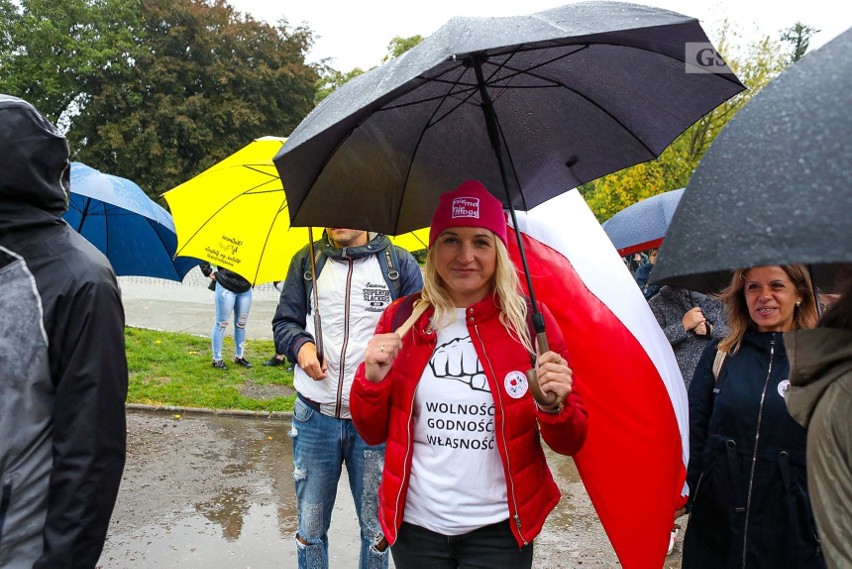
{"points": [[633, 463]]}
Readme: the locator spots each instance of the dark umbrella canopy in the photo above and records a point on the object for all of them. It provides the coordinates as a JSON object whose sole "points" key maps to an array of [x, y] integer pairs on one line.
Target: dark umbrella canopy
{"points": [[775, 187], [117, 217], [572, 93], [642, 225]]}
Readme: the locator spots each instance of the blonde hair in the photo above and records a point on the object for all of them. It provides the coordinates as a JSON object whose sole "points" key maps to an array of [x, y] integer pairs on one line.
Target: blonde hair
{"points": [[736, 309], [505, 289]]}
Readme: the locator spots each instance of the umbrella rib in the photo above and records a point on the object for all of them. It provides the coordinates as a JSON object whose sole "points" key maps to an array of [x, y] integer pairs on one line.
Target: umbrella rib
{"points": [[472, 86], [429, 123], [258, 168], [523, 48], [236, 197], [516, 72], [210, 218], [554, 83], [265, 243]]}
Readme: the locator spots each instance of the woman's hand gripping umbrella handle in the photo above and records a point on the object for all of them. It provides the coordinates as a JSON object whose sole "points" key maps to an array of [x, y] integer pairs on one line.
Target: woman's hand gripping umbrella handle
{"points": [[546, 400]]}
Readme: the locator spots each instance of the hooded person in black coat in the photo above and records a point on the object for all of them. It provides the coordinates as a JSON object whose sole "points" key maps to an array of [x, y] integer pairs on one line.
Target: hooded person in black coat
{"points": [[63, 369]]}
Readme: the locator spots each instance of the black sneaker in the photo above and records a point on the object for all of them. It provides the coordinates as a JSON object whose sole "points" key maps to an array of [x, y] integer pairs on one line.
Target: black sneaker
{"points": [[243, 362], [273, 361], [219, 364]]}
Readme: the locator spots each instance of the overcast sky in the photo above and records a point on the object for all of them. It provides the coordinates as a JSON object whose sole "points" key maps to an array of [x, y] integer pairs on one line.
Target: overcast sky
{"points": [[356, 34]]}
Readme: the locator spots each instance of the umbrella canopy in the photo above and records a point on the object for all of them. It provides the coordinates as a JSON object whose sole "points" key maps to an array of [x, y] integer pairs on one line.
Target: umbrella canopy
{"points": [[533, 105], [642, 225], [774, 187], [234, 215], [116, 216]]}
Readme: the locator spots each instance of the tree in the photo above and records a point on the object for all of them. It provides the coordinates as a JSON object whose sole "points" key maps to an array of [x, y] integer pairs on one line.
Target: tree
{"points": [[331, 79], [399, 45], [155, 90], [9, 21], [51, 48], [799, 37], [203, 82]]}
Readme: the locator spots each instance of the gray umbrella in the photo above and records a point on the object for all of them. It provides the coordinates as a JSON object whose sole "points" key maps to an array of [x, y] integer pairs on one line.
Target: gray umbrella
{"points": [[533, 105], [775, 187], [642, 225]]}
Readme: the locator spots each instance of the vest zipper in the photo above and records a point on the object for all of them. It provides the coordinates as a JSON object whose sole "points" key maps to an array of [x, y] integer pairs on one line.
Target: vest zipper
{"points": [[342, 364], [406, 463], [754, 452]]}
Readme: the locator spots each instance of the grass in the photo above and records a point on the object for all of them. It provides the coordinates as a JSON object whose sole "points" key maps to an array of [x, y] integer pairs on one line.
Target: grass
{"points": [[174, 369]]}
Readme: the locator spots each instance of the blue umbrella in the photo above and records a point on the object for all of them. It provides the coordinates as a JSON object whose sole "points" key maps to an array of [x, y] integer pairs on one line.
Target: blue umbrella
{"points": [[114, 214], [643, 225]]}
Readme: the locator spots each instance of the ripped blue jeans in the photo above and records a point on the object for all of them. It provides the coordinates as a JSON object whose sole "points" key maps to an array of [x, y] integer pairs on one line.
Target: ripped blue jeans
{"points": [[321, 445], [227, 302]]}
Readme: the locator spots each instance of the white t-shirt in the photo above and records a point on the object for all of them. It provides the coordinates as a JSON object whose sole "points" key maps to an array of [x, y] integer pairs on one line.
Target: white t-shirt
{"points": [[352, 295], [457, 483]]}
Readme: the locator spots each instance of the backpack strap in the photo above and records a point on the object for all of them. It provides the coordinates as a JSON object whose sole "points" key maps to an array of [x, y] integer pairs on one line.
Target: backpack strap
{"points": [[717, 363], [391, 264], [319, 262]]}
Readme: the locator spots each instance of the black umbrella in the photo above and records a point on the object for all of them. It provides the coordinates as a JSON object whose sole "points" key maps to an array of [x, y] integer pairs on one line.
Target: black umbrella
{"points": [[775, 187], [531, 106], [547, 101]]}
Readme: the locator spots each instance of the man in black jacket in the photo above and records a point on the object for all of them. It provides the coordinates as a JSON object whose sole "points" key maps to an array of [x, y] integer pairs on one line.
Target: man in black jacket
{"points": [[63, 369]]}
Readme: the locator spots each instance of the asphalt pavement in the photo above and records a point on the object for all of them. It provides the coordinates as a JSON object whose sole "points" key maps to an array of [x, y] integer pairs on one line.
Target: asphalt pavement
{"points": [[188, 306], [198, 492]]}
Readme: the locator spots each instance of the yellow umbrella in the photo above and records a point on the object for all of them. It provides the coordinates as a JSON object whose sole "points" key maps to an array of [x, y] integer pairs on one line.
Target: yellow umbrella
{"points": [[234, 215]]}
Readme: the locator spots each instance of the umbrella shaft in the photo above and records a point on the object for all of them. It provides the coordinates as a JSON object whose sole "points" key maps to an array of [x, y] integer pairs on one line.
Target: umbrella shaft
{"points": [[83, 215], [494, 136]]}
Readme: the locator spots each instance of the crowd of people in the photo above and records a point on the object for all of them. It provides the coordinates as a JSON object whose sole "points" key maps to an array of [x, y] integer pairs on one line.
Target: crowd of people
{"points": [[413, 380]]}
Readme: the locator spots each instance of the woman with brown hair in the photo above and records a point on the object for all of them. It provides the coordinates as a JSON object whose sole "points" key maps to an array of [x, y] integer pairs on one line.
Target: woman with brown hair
{"points": [[748, 485]]}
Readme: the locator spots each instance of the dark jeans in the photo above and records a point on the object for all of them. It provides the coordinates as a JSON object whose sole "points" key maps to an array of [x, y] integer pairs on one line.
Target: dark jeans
{"points": [[485, 548]]}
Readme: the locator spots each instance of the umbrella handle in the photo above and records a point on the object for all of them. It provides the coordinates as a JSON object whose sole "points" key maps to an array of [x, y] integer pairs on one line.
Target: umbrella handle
{"points": [[318, 333], [542, 398]]}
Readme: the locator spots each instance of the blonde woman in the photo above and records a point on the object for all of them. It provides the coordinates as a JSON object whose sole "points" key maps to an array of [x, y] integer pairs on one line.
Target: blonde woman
{"points": [[748, 489], [465, 480]]}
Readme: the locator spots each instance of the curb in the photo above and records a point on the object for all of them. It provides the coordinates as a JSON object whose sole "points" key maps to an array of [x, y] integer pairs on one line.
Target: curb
{"points": [[168, 409]]}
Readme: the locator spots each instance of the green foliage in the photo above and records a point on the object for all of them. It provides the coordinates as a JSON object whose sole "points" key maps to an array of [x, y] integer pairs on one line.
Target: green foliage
{"points": [[799, 37], [330, 79], [53, 49], [173, 369], [156, 90], [399, 45], [205, 82]]}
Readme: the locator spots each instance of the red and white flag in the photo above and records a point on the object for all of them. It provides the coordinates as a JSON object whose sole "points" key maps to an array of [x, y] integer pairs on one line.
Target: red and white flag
{"points": [[633, 463]]}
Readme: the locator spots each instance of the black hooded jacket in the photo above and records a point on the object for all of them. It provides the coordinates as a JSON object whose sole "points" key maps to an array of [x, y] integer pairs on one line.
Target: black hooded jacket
{"points": [[63, 369], [232, 281]]}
